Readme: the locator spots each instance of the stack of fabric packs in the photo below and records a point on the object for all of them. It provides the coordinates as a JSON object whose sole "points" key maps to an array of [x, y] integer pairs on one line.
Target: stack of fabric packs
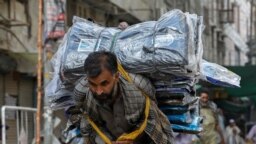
{"points": [[177, 99], [167, 51]]}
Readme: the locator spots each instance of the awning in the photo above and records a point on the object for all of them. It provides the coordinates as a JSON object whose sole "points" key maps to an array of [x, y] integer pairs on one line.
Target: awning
{"points": [[232, 107], [248, 82], [235, 37]]}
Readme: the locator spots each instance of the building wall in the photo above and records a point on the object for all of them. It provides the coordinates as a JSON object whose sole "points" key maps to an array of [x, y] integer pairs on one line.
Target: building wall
{"points": [[240, 17], [26, 32], [24, 28]]}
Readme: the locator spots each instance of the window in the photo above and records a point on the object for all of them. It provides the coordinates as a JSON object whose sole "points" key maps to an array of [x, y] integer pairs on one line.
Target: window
{"points": [[220, 48], [226, 11], [76, 8], [206, 20]]}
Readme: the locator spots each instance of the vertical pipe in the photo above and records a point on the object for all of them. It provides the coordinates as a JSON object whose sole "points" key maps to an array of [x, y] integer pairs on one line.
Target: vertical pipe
{"points": [[251, 20], [39, 73], [3, 126], [26, 124], [17, 124]]}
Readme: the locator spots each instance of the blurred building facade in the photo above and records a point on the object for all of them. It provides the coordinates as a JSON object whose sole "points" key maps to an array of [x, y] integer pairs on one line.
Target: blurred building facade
{"points": [[18, 57], [229, 26]]}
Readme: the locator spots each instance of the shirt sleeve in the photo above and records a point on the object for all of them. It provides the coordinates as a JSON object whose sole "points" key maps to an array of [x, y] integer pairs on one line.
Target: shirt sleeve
{"points": [[144, 84], [251, 132], [80, 91]]}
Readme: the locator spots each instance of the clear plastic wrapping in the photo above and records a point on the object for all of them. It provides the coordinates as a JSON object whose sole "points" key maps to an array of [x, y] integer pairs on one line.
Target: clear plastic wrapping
{"points": [[170, 48], [219, 75], [194, 127], [170, 45]]}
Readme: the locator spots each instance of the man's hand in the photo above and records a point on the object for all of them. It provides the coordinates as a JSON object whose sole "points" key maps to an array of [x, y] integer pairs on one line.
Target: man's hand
{"points": [[122, 142], [234, 131]]}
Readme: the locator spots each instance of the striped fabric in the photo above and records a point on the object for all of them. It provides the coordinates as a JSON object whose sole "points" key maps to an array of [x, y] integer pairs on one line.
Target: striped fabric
{"points": [[158, 127]]}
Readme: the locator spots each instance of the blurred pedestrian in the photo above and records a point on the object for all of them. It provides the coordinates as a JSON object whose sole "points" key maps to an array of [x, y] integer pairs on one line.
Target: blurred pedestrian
{"points": [[123, 25], [208, 110], [233, 133], [251, 136]]}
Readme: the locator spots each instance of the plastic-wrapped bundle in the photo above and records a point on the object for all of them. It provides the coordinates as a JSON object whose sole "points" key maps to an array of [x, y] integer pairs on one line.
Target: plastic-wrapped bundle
{"points": [[193, 127], [174, 109], [175, 88], [73, 136], [175, 42], [58, 97], [219, 75], [184, 118], [170, 45], [84, 37]]}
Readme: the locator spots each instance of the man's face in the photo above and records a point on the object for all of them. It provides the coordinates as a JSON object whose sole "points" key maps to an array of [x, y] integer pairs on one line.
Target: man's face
{"points": [[204, 97], [102, 86], [123, 25], [232, 124]]}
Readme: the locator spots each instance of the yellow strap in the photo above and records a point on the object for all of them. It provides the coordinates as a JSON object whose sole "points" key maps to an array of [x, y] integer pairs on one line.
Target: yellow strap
{"points": [[133, 135], [100, 133]]}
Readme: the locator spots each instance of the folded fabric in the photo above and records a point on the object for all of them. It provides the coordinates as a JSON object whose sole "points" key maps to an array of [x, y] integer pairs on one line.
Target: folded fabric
{"points": [[184, 118], [194, 127]]}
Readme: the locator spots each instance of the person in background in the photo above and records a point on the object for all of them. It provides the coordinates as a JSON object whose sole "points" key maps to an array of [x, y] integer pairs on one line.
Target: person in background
{"points": [[251, 136], [221, 123], [123, 25], [233, 133], [90, 19], [211, 129]]}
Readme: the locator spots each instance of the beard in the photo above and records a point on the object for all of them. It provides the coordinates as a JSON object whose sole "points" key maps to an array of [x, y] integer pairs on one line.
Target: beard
{"points": [[103, 97], [204, 104], [107, 98]]}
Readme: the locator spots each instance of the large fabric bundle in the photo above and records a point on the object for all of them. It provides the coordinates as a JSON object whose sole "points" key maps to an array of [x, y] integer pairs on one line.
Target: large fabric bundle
{"points": [[170, 45], [167, 51], [167, 47]]}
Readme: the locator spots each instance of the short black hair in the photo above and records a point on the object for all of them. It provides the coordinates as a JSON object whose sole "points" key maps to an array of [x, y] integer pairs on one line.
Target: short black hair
{"points": [[90, 19], [96, 61], [204, 90]]}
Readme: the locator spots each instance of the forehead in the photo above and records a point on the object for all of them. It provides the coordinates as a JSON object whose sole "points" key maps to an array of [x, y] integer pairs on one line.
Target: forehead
{"points": [[203, 94], [105, 75]]}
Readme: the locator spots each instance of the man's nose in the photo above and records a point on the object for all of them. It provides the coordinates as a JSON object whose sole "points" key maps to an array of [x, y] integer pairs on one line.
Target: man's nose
{"points": [[99, 91]]}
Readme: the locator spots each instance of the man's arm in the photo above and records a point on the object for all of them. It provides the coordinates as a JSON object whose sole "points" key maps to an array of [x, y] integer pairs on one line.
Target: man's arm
{"points": [[144, 84], [251, 133]]}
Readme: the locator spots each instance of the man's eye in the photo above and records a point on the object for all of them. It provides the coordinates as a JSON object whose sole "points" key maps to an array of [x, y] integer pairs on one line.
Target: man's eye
{"points": [[92, 84], [104, 83]]}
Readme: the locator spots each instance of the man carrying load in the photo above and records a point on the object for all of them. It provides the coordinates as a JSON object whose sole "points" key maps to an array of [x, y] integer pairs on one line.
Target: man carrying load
{"points": [[118, 107]]}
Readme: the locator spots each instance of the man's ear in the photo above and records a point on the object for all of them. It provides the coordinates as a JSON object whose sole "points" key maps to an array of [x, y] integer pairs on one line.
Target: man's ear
{"points": [[116, 76]]}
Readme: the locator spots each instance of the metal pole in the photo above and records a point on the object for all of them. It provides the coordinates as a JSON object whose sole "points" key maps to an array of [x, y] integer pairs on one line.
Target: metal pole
{"points": [[3, 126], [3, 110], [39, 73]]}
